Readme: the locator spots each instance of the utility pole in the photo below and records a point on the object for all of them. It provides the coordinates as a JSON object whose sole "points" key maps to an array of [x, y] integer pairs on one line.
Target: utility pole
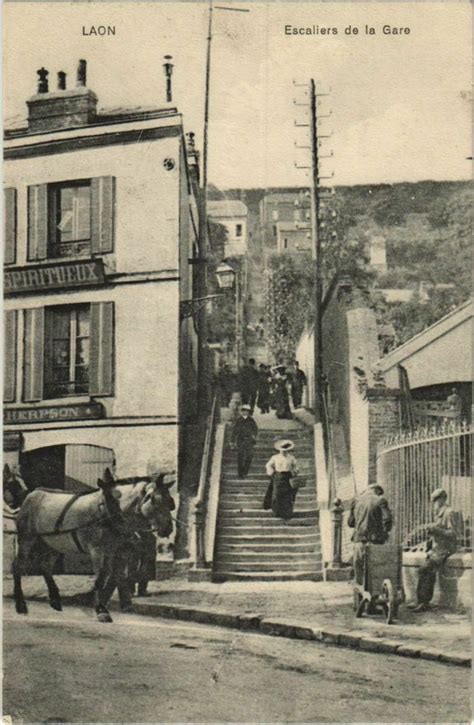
{"points": [[317, 258], [203, 240]]}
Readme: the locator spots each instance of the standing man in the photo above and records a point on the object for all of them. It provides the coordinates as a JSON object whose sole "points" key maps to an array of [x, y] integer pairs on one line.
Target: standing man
{"points": [[298, 382], [371, 519], [244, 435], [442, 543], [248, 382]]}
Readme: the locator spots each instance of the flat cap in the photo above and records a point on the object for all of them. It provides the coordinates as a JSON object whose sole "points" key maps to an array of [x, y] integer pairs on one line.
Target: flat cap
{"points": [[438, 493]]}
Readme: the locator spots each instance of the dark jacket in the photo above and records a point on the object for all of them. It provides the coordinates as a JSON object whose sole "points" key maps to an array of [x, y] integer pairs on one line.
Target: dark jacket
{"points": [[244, 432], [248, 379], [370, 517]]}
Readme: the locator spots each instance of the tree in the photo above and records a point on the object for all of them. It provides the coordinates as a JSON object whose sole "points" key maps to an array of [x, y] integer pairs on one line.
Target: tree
{"points": [[288, 302], [221, 318]]}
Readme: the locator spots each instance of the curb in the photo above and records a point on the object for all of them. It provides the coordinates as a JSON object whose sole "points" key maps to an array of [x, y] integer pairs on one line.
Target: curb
{"points": [[296, 629]]}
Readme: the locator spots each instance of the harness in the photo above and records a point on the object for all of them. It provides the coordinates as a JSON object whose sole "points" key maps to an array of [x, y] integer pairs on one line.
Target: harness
{"points": [[108, 517]]}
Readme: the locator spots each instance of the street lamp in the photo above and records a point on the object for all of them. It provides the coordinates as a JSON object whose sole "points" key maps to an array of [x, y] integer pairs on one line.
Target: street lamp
{"points": [[227, 277]]}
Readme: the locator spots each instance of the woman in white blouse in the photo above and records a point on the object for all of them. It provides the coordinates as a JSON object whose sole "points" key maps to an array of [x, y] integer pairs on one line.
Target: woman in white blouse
{"points": [[281, 468]]}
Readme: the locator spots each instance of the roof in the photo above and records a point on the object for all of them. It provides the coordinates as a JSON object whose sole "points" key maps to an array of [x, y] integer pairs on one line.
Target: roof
{"points": [[19, 124], [292, 227], [426, 337], [286, 196], [226, 208]]}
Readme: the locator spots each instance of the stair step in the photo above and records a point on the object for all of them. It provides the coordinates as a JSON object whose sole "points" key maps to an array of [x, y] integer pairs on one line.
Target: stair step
{"points": [[267, 576], [276, 539], [277, 550], [294, 565], [266, 557], [247, 512], [241, 522], [269, 529]]}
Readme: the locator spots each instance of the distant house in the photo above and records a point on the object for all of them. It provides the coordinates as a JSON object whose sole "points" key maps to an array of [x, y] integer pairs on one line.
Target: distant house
{"points": [[285, 207], [233, 215], [293, 238]]}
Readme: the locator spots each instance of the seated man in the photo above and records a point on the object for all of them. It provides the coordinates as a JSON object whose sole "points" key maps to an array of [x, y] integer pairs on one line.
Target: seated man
{"points": [[371, 519], [442, 543]]}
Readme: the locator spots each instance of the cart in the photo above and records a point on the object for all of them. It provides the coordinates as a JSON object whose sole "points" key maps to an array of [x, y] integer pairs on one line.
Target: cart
{"points": [[382, 588]]}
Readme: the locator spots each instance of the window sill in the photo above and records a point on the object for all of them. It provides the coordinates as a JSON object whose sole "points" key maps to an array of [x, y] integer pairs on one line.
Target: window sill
{"points": [[67, 400]]}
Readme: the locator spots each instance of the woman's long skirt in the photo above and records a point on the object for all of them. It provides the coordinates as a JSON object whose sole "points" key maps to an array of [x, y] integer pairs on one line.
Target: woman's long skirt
{"points": [[282, 402], [282, 496]]}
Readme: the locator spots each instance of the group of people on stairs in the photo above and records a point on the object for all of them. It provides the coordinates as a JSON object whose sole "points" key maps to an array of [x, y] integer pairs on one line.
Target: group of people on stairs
{"points": [[264, 386]]}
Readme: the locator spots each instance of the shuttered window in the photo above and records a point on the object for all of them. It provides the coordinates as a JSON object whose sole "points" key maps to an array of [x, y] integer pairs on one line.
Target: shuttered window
{"points": [[33, 355], [102, 214], [10, 217], [101, 372], [9, 348], [71, 218], [37, 222], [69, 350]]}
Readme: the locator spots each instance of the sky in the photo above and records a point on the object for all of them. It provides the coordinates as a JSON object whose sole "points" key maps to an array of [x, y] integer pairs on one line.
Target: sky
{"points": [[400, 104]]}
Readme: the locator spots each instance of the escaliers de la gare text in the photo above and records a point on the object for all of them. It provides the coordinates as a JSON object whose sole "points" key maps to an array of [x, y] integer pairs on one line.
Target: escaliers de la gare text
{"points": [[347, 30]]}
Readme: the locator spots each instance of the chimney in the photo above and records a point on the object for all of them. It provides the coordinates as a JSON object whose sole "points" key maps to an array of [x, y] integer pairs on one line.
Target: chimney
{"points": [[168, 69], [61, 109]]}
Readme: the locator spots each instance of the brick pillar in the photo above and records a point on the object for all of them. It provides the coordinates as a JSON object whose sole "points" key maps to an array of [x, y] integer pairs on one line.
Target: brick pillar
{"points": [[384, 420]]}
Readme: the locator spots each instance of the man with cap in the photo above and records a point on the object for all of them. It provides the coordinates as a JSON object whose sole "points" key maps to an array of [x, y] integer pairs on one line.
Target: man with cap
{"points": [[282, 468], [371, 519], [244, 435], [441, 544]]}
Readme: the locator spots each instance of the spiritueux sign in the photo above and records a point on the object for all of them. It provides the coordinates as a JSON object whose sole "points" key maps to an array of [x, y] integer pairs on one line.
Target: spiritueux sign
{"points": [[54, 276]]}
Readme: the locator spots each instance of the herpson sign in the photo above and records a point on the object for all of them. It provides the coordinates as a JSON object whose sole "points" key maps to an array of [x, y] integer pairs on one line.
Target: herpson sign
{"points": [[54, 276], [53, 413]]}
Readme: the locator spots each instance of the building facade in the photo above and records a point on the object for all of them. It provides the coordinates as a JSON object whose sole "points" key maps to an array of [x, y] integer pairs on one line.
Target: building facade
{"points": [[100, 225], [284, 209], [233, 215]]}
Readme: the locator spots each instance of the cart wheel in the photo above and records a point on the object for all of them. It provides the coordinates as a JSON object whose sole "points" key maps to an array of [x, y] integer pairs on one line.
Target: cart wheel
{"points": [[390, 602]]}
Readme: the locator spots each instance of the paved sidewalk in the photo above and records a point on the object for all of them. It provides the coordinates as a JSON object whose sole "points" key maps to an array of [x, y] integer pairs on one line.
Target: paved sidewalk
{"points": [[320, 611]]}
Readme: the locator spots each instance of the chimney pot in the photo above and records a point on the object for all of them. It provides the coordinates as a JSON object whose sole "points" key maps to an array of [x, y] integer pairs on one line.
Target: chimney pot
{"points": [[42, 80], [82, 73], [61, 81]]}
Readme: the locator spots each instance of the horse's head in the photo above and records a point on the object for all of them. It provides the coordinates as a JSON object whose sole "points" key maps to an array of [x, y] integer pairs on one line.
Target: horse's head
{"points": [[157, 503]]}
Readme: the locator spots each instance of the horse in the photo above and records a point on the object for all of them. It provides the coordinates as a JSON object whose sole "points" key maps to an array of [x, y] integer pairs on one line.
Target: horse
{"points": [[100, 523]]}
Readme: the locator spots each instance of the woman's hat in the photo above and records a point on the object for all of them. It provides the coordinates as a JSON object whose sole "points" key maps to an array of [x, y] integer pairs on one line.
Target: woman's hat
{"points": [[246, 407], [284, 444]]}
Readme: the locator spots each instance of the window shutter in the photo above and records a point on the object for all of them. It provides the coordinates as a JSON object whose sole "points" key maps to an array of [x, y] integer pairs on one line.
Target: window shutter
{"points": [[37, 222], [102, 214], [34, 352], [9, 256], [9, 346], [101, 363]]}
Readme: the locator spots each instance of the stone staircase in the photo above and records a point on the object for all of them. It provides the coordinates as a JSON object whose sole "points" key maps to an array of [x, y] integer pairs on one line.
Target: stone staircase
{"points": [[251, 544]]}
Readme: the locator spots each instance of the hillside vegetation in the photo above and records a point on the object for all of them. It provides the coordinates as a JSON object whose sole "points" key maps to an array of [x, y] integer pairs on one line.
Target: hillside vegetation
{"points": [[427, 229]]}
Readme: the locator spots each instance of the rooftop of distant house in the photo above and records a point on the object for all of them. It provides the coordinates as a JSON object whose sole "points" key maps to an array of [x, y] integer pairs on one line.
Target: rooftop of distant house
{"points": [[226, 208], [289, 197]]}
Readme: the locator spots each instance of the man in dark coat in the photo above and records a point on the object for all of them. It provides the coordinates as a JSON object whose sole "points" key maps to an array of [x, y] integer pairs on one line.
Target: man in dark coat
{"points": [[225, 379], [244, 435], [248, 383], [371, 519], [298, 382]]}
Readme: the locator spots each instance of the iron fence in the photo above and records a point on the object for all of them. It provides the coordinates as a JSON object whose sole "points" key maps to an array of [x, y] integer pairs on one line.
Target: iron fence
{"points": [[411, 465]]}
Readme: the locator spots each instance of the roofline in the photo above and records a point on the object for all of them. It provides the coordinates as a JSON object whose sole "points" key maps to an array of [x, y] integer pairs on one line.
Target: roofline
{"points": [[425, 337]]}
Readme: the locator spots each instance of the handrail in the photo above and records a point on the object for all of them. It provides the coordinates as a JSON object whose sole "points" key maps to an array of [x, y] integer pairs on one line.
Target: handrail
{"points": [[201, 498]]}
